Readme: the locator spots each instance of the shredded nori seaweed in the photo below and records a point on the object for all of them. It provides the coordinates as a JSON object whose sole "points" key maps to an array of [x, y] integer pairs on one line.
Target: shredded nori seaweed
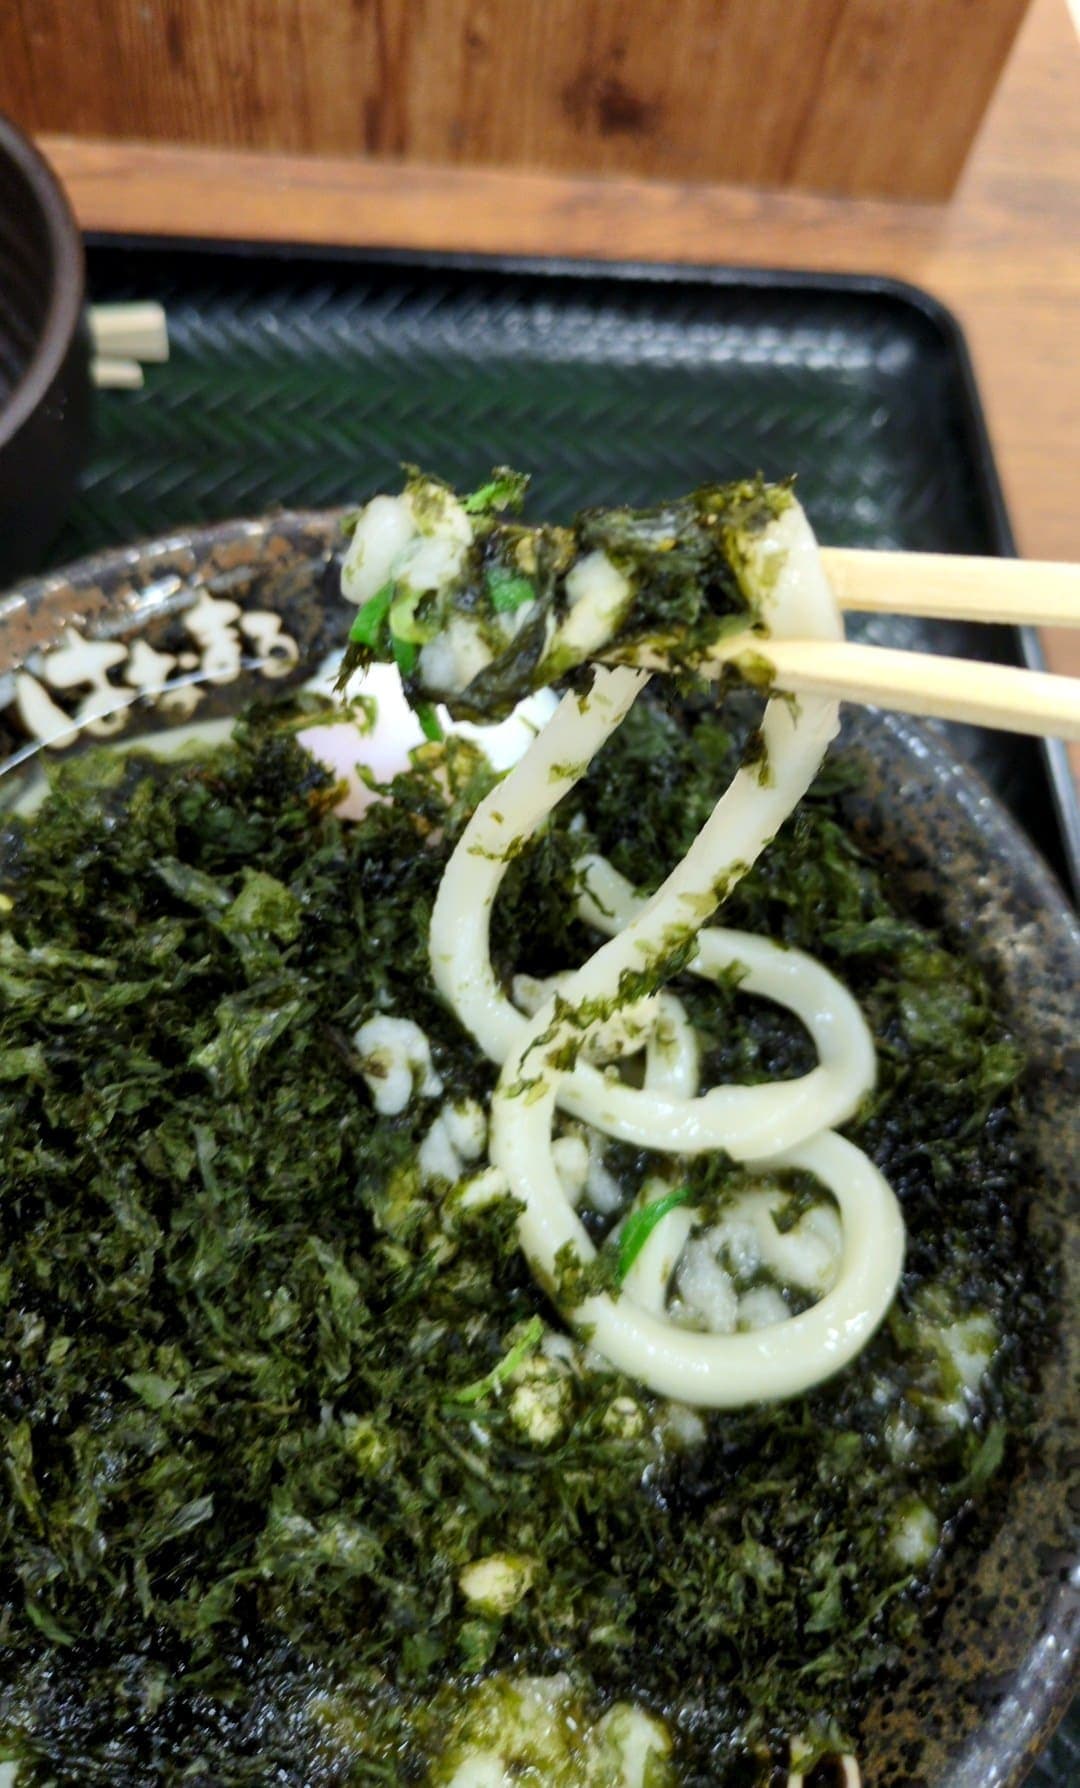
{"points": [[253, 1404], [686, 563]]}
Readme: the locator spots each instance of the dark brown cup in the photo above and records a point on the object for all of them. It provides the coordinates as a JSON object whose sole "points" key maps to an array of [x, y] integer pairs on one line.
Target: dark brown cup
{"points": [[44, 355]]}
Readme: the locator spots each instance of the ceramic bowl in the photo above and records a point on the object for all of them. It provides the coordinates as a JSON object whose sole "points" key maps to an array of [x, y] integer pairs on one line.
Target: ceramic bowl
{"points": [[191, 627]]}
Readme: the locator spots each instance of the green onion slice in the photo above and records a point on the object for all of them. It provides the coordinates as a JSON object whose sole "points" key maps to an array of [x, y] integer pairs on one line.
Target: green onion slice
{"points": [[429, 722], [531, 1338], [405, 653], [368, 624], [403, 621], [639, 1227], [506, 490], [507, 589]]}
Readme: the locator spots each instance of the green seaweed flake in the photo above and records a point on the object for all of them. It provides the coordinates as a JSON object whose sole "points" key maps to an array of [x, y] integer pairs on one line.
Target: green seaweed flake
{"points": [[693, 577], [258, 1412]]}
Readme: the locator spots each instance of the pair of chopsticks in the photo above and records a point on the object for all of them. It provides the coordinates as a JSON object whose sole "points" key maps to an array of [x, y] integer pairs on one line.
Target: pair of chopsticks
{"points": [[939, 586], [1013, 592], [124, 337]]}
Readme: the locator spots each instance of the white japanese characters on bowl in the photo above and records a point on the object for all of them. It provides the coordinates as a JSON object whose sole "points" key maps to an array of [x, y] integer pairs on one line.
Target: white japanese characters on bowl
{"points": [[90, 685]]}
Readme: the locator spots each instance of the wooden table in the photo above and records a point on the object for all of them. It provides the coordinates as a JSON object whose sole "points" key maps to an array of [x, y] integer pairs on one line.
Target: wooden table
{"points": [[1004, 254]]}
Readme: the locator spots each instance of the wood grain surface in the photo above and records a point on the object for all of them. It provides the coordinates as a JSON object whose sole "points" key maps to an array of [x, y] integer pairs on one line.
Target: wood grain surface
{"points": [[849, 96], [1004, 253]]}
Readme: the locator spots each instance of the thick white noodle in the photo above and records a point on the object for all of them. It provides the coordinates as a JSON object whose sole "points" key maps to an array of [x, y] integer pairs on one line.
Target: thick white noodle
{"points": [[722, 1371], [746, 1121], [672, 1053], [726, 1371], [459, 939]]}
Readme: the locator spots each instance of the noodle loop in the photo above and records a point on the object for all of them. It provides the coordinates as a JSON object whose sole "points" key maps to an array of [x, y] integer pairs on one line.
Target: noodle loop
{"points": [[783, 1125]]}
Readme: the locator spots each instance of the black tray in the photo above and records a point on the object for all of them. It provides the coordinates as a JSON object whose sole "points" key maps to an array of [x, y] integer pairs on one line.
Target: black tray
{"points": [[304, 378]]}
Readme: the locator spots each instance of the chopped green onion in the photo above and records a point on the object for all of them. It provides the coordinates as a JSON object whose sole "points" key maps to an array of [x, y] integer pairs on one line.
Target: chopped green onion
{"points": [[367, 626], [639, 1227], [405, 653], [507, 589], [429, 722], [505, 490], [403, 619], [530, 1341]]}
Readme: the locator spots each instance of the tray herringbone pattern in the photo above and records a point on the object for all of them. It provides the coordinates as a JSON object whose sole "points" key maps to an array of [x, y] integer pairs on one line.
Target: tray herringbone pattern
{"points": [[289, 386], [307, 382]]}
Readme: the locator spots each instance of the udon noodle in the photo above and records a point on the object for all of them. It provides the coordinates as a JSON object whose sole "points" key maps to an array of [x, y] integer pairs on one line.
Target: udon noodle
{"points": [[544, 1058]]}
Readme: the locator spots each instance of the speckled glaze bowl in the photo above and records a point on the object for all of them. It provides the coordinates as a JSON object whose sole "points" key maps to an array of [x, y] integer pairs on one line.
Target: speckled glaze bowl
{"points": [[191, 627]]}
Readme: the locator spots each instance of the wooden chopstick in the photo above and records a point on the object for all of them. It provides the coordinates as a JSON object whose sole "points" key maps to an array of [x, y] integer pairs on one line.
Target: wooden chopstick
{"points": [[122, 336], [129, 331], [950, 586], [995, 695], [111, 372]]}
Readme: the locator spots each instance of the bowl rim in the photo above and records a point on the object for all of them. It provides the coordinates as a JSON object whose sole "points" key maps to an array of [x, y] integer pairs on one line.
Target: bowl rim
{"points": [[1000, 1750], [67, 278]]}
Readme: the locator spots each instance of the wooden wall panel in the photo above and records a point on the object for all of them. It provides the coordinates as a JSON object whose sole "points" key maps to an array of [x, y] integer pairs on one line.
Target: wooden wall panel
{"points": [[16, 71], [852, 96], [928, 98]]}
